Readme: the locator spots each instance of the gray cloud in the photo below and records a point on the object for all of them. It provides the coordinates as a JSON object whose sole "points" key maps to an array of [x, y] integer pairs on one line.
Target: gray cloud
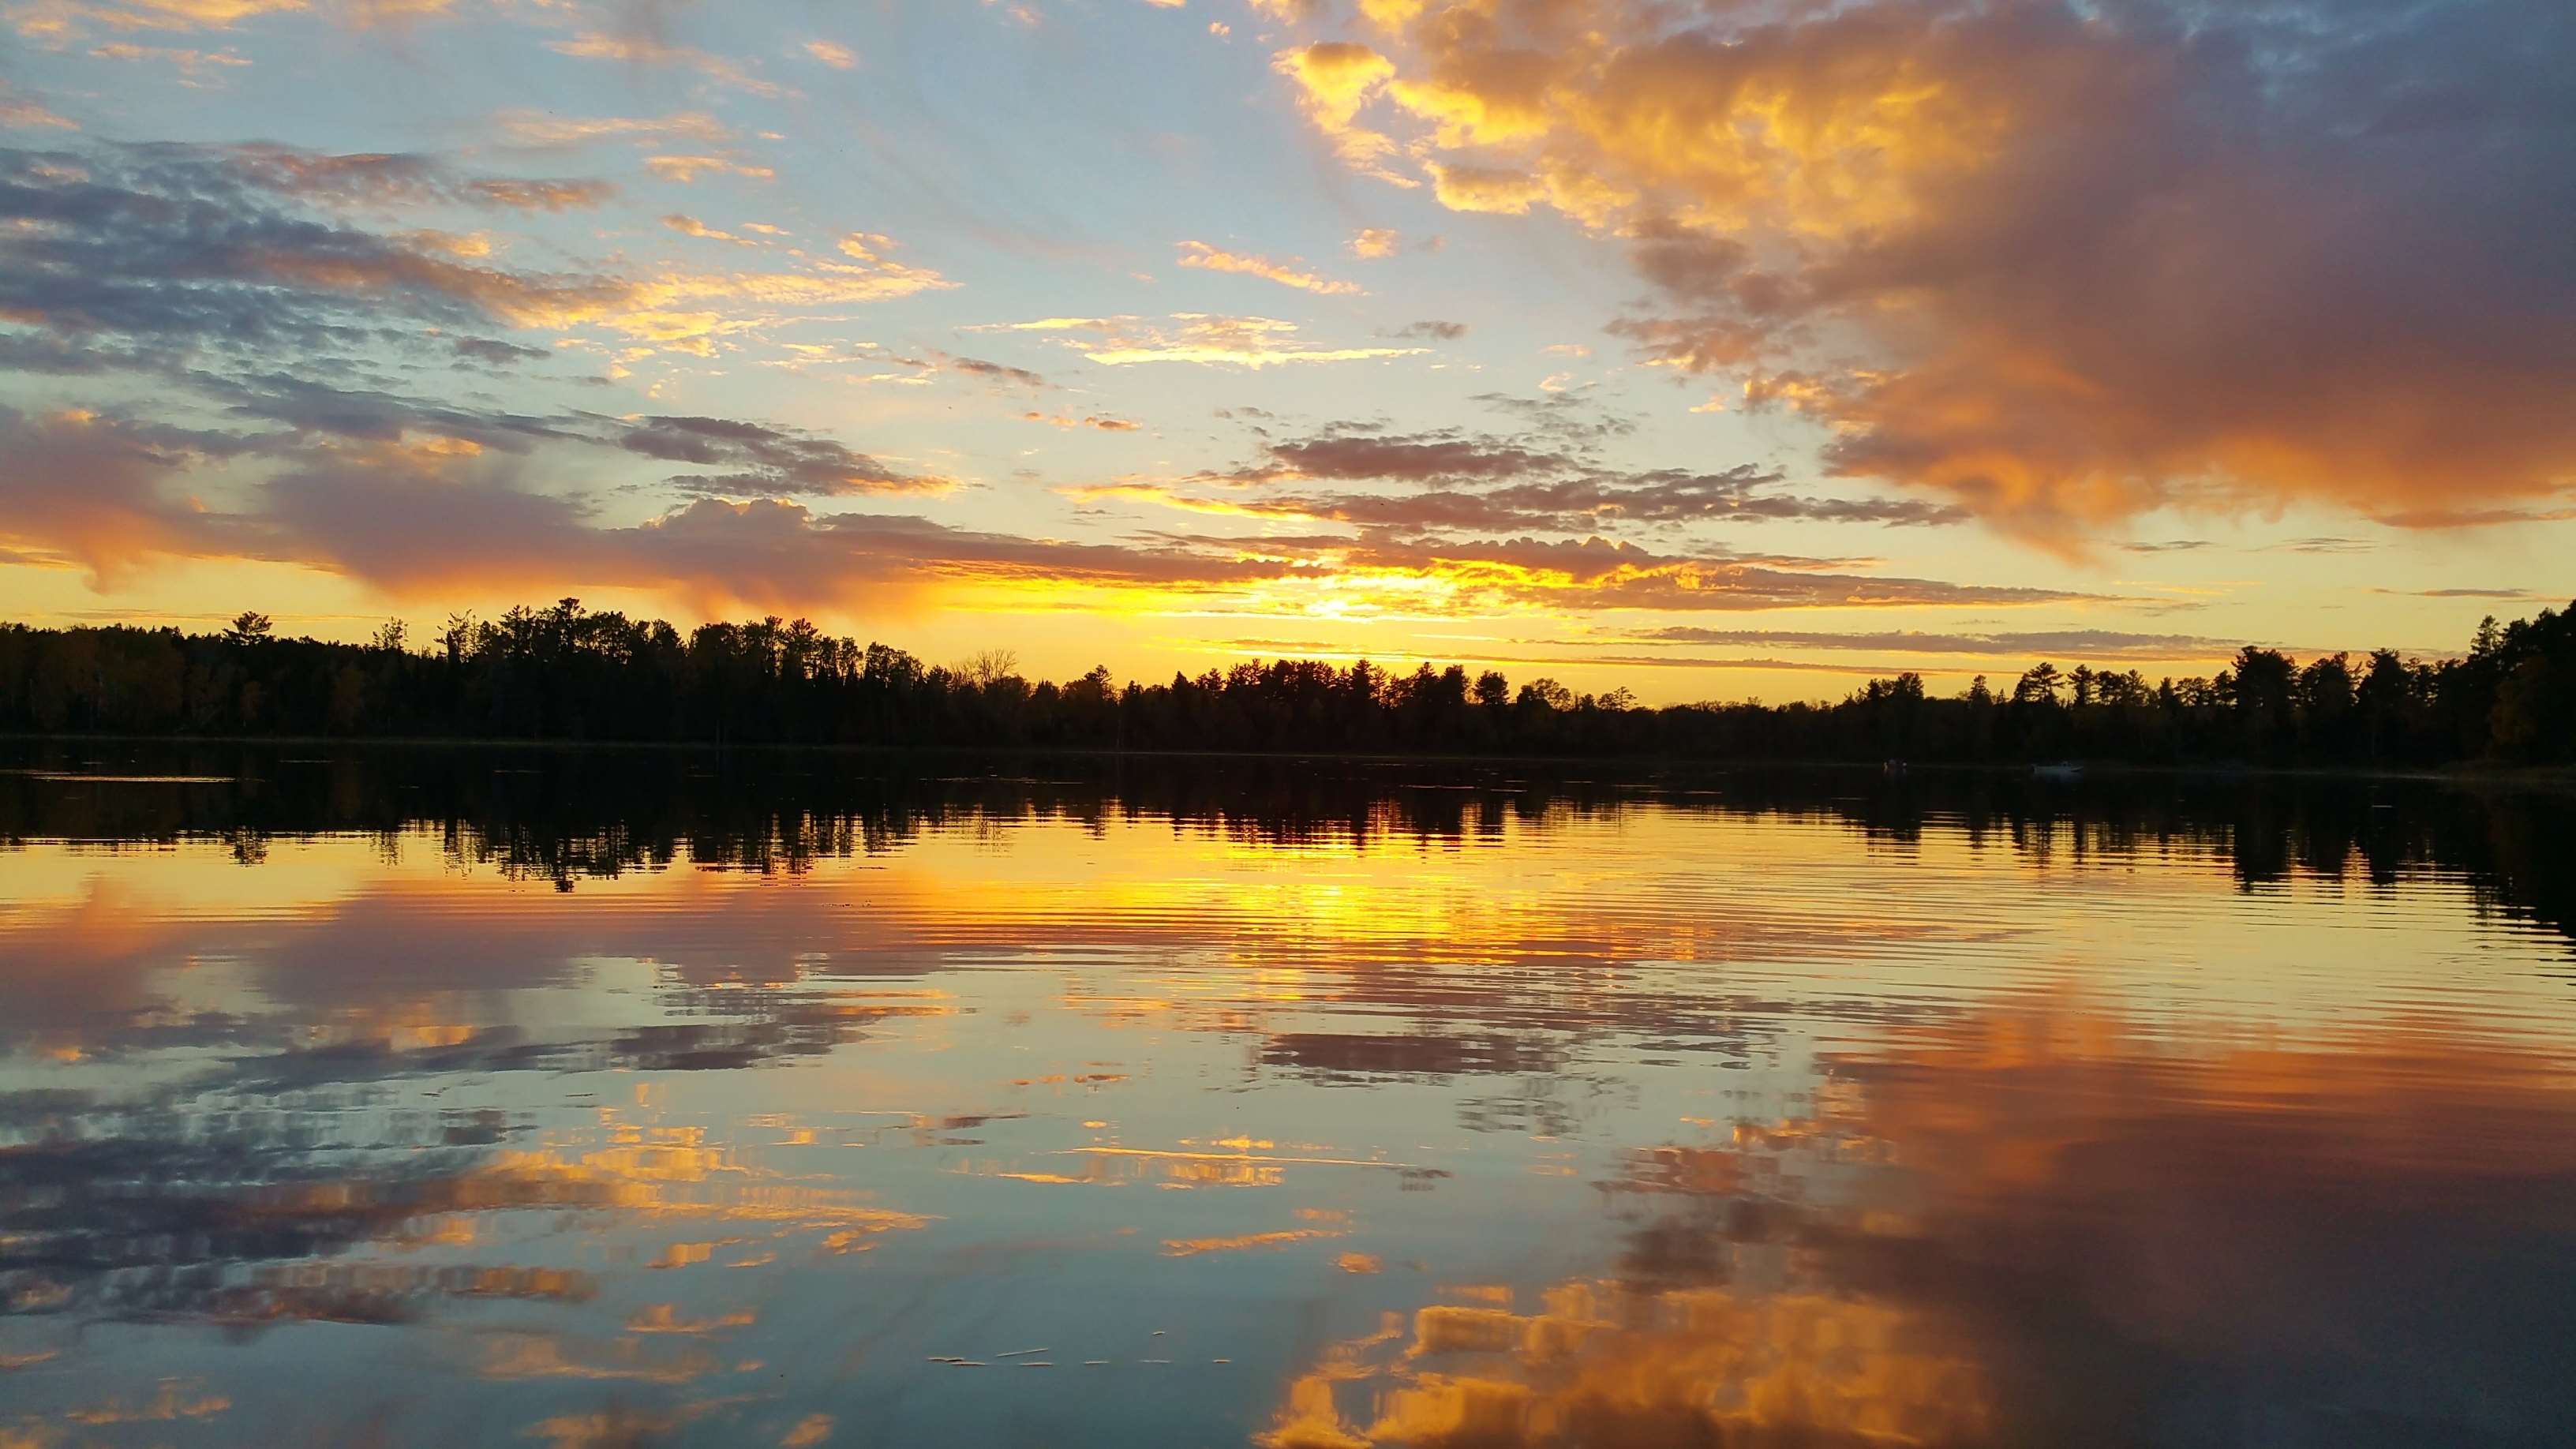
{"points": [[1413, 458], [1473, 482], [768, 460], [389, 179], [995, 371], [172, 247]]}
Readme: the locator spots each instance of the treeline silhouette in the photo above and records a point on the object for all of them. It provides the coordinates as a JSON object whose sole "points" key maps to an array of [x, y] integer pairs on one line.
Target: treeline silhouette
{"points": [[567, 674]]}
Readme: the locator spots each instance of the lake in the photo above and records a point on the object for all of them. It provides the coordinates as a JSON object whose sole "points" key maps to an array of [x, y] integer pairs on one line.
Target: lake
{"points": [[490, 1097]]}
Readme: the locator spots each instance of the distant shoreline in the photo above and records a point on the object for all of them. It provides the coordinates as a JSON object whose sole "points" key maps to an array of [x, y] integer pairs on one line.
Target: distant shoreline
{"points": [[2463, 773], [566, 677]]}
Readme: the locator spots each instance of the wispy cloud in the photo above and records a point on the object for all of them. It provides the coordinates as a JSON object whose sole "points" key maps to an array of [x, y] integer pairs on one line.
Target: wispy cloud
{"points": [[1201, 338], [545, 128], [638, 49], [1290, 273], [685, 169], [22, 113]]}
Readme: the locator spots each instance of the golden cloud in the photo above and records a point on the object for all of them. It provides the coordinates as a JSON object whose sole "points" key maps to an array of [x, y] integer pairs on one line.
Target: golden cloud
{"points": [[545, 128], [1291, 273], [685, 169], [2076, 252], [1203, 338], [55, 19], [1334, 82]]}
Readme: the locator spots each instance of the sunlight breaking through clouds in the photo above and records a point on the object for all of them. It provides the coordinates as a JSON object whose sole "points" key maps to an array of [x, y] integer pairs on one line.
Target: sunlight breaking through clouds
{"points": [[1974, 297]]}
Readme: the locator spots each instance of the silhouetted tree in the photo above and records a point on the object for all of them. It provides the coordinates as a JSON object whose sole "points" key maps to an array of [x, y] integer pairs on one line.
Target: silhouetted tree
{"points": [[565, 672]]}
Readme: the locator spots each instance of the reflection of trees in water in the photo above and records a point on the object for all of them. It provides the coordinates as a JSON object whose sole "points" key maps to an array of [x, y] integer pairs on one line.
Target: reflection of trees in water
{"points": [[569, 815]]}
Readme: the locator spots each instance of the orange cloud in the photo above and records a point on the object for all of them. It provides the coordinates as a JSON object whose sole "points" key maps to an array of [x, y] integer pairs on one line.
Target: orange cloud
{"points": [[540, 195], [192, 65], [18, 113], [2067, 261], [1199, 337], [57, 18], [1376, 242], [426, 520], [685, 169], [1335, 81], [640, 49], [1291, 273], [689, 226], [545, 128]]}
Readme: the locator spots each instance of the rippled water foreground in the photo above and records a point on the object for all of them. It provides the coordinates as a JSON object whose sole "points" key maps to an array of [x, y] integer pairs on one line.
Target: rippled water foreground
{"points": [[482, 1098]]}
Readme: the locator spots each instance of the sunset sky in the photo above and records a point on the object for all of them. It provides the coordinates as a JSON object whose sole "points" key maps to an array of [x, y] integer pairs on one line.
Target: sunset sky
{"points": [[1718, 349]]}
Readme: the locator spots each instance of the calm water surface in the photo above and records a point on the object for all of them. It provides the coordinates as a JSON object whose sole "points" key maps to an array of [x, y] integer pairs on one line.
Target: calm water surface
{"points": [[486, 1099]]}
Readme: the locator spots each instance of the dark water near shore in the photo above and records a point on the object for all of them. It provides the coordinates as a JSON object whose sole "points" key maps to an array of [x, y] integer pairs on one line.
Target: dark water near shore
{"points": [[420, 1097]]}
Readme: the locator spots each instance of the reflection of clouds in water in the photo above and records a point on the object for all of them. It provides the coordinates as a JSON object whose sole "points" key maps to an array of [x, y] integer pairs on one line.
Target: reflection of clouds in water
{"points": [[235, 1220], [1552, 955], [1495, 956], [1593, 1363], [392, 961], [2049, 1227], [370, 1082]]}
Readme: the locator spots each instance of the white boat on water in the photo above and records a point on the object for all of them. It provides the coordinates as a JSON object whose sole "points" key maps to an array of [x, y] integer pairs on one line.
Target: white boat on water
{"points": [[2064, 770]]}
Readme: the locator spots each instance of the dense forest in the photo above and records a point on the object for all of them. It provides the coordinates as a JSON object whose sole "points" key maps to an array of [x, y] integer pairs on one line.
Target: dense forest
{"points": [[564, 673]]}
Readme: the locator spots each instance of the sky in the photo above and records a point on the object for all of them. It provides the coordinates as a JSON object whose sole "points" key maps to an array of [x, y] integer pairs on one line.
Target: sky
{"points": [[1720, 350]]}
